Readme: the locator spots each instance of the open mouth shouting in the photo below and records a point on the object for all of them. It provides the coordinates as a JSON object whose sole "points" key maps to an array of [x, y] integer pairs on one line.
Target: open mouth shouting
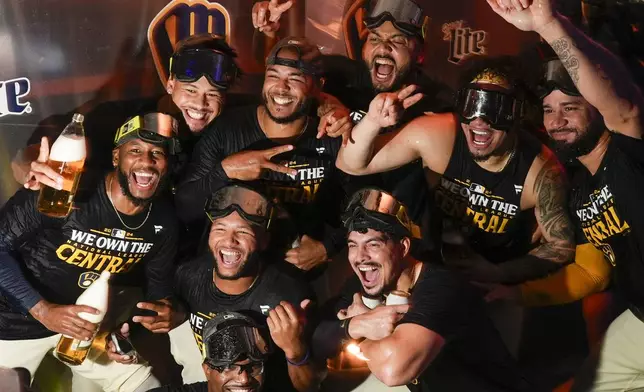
{"points": [[369, 274], [383, 70], [481, 138], [230, 258], [144, 181]]}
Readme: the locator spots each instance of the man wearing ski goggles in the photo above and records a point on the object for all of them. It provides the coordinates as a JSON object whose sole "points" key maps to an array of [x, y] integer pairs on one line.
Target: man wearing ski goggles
{"points": [[442, 314], [235, 274], [235, 351], [484, 159], [202, 70]]}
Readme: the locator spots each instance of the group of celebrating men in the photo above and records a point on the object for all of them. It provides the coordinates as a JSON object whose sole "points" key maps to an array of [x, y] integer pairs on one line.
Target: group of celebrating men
{"points": [[231, 206]]}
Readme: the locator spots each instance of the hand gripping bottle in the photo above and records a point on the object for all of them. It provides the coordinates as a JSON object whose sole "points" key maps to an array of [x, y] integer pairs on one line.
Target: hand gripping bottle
{"points": [[73, 351], [67, 158]]}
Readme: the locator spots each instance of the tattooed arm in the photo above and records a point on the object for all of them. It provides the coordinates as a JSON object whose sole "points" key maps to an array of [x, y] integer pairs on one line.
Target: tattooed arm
{"points": [[546, 190], [599, 75]]}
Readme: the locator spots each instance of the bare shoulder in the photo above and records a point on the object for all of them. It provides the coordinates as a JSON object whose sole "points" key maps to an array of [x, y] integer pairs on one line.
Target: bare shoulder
{"points": [[435, 135], [546, 175]]}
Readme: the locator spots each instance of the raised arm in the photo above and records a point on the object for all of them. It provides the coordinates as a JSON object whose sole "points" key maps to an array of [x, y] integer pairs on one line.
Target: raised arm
{"points": [[368, 152], [601, 78]]}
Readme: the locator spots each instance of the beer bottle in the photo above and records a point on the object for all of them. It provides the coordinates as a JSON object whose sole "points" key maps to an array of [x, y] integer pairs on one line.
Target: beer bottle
{"points": [[73, 351], [67, 157]]}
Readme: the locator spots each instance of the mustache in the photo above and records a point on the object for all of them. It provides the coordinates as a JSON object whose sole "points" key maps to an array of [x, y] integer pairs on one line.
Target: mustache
{"points": [[562, 130]]}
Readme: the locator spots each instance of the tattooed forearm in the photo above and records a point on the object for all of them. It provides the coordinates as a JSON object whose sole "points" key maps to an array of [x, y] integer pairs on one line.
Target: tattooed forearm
{"points": [[552, 215], [563, 49]]}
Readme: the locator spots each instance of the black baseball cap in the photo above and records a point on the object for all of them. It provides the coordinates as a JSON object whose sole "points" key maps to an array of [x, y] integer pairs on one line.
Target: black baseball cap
{"points": [[308, 55]]}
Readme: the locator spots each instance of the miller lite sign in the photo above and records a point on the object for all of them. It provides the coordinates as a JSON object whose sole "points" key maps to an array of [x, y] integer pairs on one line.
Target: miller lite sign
{"points": [[12, 93], [463, 41]]}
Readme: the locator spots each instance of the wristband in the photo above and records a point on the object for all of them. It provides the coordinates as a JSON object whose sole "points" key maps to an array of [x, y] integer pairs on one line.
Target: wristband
{"points": [[301, 362], [345, 326]]}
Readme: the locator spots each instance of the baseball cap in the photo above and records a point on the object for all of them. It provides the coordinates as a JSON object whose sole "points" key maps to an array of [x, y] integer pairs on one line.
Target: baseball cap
{"points": [[155, 128], [308, 55]]}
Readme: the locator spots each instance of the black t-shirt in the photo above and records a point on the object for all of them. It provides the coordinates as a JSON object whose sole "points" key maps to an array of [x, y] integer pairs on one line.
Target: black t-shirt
{"points": [[350, 81], [488, 204], [312, 198], [61, 257], [607, 211], [194, 285], [474, 358]]}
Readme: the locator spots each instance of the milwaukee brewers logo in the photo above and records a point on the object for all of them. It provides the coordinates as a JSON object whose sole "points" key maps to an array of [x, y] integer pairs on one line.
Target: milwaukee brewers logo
{"points": [[179, 20], [87, 278]]}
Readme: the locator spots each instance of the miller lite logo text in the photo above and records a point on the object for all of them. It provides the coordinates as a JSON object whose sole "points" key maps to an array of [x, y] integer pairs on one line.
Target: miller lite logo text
{"points": [[463, 41], [11, 93]]}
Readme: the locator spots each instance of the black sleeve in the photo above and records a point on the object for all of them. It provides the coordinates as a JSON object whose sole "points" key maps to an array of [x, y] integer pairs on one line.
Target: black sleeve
{"points": [[203, 175], [329, 334], [19, 221], [159, 270], [441, 302], [339, 72]]}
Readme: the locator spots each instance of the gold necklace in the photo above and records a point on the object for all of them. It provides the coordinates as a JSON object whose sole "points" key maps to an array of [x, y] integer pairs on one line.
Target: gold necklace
{"points": [[118, 215]]}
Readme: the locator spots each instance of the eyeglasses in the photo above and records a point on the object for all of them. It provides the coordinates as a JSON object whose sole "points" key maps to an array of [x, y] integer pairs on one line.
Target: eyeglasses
{"points": [[253, 369]]}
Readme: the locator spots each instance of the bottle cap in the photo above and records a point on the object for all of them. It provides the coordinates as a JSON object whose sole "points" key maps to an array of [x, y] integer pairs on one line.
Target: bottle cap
{"points": [[106, 275], [77, 117]]}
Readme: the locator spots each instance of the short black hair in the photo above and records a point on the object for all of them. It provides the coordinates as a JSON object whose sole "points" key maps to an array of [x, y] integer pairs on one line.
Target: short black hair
{"points": [[388, 235], [206, 41]]}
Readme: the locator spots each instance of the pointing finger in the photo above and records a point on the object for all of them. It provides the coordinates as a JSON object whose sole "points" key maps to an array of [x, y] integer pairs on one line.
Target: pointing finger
{"points": [[43, 154]]}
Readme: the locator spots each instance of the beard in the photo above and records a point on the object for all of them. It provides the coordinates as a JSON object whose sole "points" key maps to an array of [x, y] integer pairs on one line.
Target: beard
{"points": [[300, 111], [138, 201], [584, 144], [249, 267], [399, 80]]}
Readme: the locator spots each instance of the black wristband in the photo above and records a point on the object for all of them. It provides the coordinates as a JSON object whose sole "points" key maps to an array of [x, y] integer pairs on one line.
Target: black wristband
{"points": [[345, 326]]}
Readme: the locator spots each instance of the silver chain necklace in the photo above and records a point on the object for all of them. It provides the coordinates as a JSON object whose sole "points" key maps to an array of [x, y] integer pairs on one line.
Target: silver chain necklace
{"points": [[118, 215]]}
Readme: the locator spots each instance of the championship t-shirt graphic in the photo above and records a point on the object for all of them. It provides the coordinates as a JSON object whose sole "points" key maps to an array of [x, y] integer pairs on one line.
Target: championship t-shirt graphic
{"points": [[600, 221], [473, 204], [62, 257]]}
